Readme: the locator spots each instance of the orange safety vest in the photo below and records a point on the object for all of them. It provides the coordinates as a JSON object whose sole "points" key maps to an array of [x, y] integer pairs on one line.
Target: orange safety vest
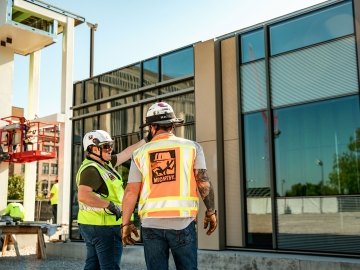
{"points": [[168, 180]]}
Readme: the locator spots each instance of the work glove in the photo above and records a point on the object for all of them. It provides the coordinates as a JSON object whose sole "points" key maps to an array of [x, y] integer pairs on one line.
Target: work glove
{"points": [[115, 210], [126, 231], [210, 221]]}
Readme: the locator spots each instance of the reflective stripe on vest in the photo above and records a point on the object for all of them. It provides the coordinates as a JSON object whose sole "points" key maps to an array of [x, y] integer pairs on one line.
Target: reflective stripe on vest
{"points": [[90, 208], [99, 216], [169, 187]]}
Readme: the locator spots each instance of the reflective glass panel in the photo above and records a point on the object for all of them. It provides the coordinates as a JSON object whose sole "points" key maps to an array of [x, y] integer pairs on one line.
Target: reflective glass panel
{"points": [[177, 64], [184, 107], [259, 226], [253, 86], [252, 46], [318, 176], [324, 70], [177, 87], [121, 80], [325, 24], [150, 72], [77, 131], [78, 93], [91, 90], [91, 123], [125, 121], [313, 144]]}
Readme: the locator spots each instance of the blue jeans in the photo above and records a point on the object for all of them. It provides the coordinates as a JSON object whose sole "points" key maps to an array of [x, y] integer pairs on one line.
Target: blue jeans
{"points": [[104, 246], [182, 243]]}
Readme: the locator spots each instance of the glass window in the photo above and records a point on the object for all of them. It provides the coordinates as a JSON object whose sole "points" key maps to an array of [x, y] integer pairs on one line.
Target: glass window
{"points": [[45, 168], [177, 64], [121, 80], [253, 86], [125, 121], [90, 123], [78, 93], [325, 24], [150, 72], [177, 87], [318, 175], [314, 142], [91, 90], [54, 169], [259, 234], [252, 46], [183, 106], [322, 71], [77, 131]]}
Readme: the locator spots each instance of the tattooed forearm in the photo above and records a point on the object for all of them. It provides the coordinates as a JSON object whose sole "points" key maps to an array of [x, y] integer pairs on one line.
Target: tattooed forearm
{"points": [[205, 188]]}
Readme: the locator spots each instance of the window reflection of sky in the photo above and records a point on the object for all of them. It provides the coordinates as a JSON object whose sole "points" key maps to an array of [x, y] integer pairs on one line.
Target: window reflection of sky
{"points": [[313, 28], [311, 137], [177, 64]]}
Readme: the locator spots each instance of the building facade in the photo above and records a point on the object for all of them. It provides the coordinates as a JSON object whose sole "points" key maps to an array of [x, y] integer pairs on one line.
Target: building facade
{"points": [[275, 107]]}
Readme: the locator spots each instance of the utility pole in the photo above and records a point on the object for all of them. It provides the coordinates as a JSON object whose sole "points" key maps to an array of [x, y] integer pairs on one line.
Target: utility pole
{"points": [[93, 28]]}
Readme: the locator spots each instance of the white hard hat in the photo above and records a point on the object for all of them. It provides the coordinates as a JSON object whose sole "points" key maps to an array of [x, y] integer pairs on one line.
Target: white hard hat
{"points": [[96, 137], [161, 113]]}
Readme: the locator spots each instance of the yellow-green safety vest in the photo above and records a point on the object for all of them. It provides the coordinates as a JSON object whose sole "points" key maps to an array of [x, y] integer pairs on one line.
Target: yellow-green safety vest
{"points": [[99, 216], [15, 210], [55, 191]]}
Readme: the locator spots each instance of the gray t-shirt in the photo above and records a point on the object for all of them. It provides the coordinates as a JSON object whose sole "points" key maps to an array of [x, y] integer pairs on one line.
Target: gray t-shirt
{"points": [[135, 176]]}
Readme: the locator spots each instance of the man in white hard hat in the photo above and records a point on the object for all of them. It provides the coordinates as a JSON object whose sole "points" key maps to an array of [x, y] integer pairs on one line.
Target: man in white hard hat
{"points": [[167, 173]]}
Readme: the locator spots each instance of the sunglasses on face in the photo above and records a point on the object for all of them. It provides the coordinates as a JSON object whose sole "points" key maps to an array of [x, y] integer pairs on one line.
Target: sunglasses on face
{"points": [[107, 146]]}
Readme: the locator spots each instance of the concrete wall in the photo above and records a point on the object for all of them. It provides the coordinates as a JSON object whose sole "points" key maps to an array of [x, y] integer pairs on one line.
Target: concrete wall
{"points": [[207, 133]]}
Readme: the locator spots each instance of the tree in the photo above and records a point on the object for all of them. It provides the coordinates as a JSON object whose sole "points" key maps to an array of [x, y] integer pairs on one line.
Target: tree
{"points": [[16, 187], [346, 175]]}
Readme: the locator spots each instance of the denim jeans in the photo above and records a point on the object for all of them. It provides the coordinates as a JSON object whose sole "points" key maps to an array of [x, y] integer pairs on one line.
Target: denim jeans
{"points": [[182, 243], [104, 246]]}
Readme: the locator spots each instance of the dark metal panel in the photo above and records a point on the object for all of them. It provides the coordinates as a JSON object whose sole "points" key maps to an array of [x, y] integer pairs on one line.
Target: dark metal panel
{"points": [[243, 204], [270, 126], [220, 144], [356, 7]]}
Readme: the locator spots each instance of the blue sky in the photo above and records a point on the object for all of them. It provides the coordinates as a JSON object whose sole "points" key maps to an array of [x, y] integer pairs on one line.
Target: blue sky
{"points": [[130, 31]]}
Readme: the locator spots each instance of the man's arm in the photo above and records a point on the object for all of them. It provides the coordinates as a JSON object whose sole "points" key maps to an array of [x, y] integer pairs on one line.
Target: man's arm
{"points": [[129, 201], [207, 194], [205, 189], [86, 195], [127, 152]]}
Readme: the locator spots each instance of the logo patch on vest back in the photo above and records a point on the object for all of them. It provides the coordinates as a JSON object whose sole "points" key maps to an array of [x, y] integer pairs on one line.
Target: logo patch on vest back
{"points": [[163, 166]]}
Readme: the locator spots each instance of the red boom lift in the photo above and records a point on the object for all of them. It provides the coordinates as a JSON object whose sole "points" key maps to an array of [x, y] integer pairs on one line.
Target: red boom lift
{"points": [[26, 141]]}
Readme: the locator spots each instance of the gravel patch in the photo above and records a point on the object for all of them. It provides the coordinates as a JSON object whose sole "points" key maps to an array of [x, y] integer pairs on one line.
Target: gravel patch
{"points": [[28, 261]]}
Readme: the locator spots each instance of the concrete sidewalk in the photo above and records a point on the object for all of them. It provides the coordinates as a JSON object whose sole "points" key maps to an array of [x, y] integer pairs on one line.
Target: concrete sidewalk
{"points": [[71, 256], [133, 258]]}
